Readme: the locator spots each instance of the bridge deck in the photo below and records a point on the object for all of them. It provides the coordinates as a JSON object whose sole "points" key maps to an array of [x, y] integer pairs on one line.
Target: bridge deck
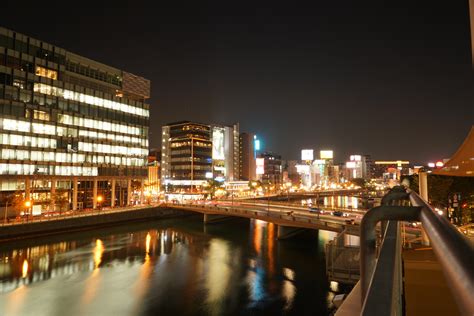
{"points": [[276, 217]]}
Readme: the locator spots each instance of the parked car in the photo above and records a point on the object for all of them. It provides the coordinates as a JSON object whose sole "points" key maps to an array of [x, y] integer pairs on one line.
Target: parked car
{"points": [[338, 213]]}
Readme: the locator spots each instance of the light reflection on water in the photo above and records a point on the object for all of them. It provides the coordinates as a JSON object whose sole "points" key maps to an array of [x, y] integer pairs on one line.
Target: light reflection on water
{"points": [[335, 201], [173, 268]]}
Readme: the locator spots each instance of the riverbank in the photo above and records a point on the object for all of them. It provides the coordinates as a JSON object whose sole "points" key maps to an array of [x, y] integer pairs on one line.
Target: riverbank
{"points": [[84, 222]]}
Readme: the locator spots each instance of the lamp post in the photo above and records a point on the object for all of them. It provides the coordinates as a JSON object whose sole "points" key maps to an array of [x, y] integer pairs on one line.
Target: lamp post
{"points": [[28, 205], [99, 200]]}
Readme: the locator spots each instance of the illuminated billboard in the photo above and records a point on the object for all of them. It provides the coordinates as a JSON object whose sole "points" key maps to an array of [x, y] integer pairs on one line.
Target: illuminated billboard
{"points": [[257, 144], [356, 158], [260, 162], [326, 154], [350, 165], [307, 154], [218, 143]]}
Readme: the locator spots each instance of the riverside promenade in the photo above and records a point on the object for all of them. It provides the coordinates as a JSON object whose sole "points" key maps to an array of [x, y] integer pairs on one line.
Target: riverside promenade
{"points": [[82, 220]]}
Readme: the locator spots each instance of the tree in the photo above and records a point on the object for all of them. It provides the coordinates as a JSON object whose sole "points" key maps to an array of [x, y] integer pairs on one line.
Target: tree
{"points": [[17, 202], [60, 199], [441, 188], [359, 182], [212, 186]]}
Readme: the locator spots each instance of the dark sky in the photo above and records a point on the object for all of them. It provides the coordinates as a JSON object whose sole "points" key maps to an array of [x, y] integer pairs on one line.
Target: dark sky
{"points": [[388, 78]]}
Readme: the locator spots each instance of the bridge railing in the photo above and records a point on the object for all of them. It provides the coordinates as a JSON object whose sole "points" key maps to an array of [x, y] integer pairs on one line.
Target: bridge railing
{"points": [[381, 286]]}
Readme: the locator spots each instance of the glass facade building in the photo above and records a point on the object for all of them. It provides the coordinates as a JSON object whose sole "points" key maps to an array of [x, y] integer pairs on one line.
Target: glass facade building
{"points": [[193, 153], [68, 122]]}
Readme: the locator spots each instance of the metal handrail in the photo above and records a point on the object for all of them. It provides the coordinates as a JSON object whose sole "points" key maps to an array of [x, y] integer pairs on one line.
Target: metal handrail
{"points": [[385, 292], [368, 237], [454, 252]]}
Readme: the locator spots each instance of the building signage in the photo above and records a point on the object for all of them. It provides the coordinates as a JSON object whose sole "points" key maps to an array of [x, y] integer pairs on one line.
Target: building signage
{"points": [[218, 143], [307, 154], [260, 162], [326, 154]]}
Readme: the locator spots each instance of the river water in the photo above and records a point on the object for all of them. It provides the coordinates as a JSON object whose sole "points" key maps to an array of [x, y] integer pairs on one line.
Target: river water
{"points": [[169, 267]]}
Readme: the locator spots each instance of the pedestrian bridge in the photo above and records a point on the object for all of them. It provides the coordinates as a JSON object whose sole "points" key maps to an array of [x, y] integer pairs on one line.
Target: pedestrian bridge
{"points": [[435, 279]]}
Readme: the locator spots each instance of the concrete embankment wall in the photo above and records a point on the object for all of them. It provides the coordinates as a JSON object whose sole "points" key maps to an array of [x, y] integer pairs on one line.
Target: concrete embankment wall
{"points": [[29, 230]]}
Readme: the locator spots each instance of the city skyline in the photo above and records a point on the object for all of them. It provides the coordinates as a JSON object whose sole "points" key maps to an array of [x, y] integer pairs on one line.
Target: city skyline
{"points": [[287, 76]]}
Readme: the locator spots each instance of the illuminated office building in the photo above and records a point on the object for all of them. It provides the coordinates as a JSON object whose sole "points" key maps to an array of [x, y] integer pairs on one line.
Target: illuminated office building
{"points": [[70, 127], [272, 168], [247, 167], [193, 153], [225, 152]]}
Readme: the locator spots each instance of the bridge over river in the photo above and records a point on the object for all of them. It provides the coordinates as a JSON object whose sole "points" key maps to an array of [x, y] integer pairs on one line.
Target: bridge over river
{"points": [[289, 218]]}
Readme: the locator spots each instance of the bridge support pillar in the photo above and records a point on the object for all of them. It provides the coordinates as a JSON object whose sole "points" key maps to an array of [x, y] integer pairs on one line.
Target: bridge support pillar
{"points": [[285, 232], [213, 218]]}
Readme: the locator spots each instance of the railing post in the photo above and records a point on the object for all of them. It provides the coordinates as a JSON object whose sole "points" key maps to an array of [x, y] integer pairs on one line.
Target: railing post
{"points": [[423, 189]]}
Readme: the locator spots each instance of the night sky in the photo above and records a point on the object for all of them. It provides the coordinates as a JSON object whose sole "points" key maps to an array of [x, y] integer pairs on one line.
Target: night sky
{"points": [[387, 78]]}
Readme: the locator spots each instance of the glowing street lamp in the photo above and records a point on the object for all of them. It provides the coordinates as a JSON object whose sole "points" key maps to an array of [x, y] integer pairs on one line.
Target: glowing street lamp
{"points": [[100, 198], [28, 204]]}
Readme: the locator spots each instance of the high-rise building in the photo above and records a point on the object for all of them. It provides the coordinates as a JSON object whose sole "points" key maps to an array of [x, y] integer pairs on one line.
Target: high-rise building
{"points": [[247, 157], [369, 167], [225, 152], [70, 128], [290, 166], [186, 156], [193, 153], [272, 169], [358, 167]]}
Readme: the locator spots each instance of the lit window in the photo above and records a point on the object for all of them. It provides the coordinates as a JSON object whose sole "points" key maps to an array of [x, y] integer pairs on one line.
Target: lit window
{"points": [[40, 115], [48, 73]]}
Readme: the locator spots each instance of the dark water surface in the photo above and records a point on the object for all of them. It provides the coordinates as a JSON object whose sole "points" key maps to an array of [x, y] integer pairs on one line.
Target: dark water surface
{"points": [[170, 267]]}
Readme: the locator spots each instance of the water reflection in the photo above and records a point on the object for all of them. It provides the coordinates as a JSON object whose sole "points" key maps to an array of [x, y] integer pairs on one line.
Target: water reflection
{"points": [[98, 251], [218, 275], [154, 268], [24, 269]]}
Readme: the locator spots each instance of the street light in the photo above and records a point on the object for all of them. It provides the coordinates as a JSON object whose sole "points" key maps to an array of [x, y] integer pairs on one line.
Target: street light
{"points": [[99, 200], [28, 205]]}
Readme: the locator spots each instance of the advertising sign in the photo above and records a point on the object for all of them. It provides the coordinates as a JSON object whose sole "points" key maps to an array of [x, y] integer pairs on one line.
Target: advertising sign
{"points": [[326, 154], [260, 162], [350, 164], [307, 154], [356, 157], [218, 143], [257, 144]]}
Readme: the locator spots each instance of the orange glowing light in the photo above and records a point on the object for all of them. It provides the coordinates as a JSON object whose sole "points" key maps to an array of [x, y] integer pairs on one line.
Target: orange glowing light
{"points": [[147, 243], [24, 270]]}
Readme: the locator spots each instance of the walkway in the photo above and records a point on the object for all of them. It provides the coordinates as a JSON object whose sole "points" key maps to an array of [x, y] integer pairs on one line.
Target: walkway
{"points": [[426, 292]]}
